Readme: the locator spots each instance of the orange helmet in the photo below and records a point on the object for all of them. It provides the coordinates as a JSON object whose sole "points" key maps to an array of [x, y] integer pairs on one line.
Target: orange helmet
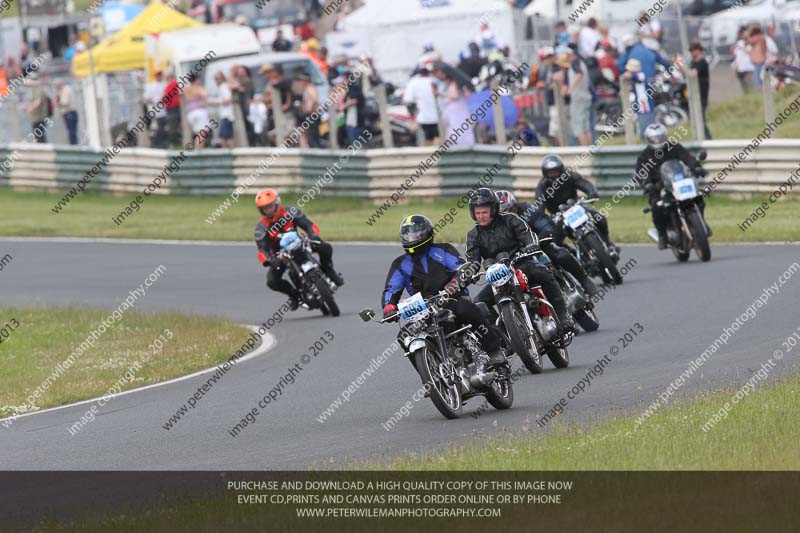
{"points": [[268, 201]]}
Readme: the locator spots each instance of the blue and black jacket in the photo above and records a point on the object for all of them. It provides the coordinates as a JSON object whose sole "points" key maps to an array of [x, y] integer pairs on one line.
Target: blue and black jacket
{"points": [[427, 272]]}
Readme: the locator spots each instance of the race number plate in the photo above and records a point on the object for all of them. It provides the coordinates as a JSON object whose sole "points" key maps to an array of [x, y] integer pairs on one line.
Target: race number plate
{"points": [[684, 189], [576, 216], [413, 308], [498, 274]]}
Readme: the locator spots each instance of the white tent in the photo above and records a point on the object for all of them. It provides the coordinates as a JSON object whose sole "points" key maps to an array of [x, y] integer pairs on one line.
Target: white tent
{"points": [[394, 32]]}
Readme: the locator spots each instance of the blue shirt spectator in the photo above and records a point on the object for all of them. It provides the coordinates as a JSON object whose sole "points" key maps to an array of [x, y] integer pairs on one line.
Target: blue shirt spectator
{"points": [[646, 57]]}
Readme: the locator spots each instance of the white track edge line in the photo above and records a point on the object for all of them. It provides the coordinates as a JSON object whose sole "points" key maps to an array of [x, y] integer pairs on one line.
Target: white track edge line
{"points": [[262, 349]]}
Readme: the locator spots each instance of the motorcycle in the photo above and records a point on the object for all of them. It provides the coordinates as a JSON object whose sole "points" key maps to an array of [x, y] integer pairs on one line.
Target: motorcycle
{"points": [[591, 249], [579, 304], [305, 273], [530, 321], [449, 360], [686, 227], [671, 100]]}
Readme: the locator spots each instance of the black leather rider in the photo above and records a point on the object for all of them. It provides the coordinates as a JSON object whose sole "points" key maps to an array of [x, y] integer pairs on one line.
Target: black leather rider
{"points": [[509, 233]]}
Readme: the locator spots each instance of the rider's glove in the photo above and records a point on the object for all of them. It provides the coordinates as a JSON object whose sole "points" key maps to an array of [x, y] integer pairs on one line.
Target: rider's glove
{"points": [[452, 287], [530, 249], [274, 261], [390, 310], [700, 171]]}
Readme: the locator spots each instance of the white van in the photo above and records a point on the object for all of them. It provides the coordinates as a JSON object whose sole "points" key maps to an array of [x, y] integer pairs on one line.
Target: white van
{"points": [[181, 50]]}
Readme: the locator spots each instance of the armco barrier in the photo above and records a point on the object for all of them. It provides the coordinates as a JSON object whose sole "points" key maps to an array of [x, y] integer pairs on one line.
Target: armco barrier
{"points": [[374, 173]]}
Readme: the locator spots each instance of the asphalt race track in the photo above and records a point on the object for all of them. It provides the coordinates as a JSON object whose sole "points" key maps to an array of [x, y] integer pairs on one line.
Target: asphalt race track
{"points": [[682, 308]]}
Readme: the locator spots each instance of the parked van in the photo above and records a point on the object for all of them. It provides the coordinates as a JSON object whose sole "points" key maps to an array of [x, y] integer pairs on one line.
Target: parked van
{"points": [[181, 50]]}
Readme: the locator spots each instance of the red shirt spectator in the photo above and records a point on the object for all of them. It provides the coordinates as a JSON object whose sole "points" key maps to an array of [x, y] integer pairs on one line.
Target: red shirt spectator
{"points": [[172, 96]]}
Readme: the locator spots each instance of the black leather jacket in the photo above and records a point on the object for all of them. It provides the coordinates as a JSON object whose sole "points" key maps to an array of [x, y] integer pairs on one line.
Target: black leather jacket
{"points": [[648, 163], [553, 192], [506, 233]]}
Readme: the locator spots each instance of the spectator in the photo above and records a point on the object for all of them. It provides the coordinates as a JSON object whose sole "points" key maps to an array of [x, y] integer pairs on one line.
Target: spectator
{"points": [[650, 32], [354, 110], [153, 93], [172, 103], [309, 104], [607, 61], [487, 40], [472, 64], [281, 44], [420, 98], [456, 111], [758, 52], [224, 102], [65, 102], [742, 62], [699, 66], [526, 134], [70, 51], [588, 38], [323, 60], [643, 103], [242, 89], [562, 37], [310, 48], [284, 88], [559, 78], [196, 102], [38, 109], [306, 30], [578, 89], [647, 58]]}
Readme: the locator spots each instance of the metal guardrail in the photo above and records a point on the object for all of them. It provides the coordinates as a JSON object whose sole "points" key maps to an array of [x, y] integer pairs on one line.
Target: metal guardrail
{"points": [[374, 173]]}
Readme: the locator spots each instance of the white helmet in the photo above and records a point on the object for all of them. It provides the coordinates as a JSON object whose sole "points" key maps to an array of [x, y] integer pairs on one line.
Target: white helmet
{"points": [[656, 136]]}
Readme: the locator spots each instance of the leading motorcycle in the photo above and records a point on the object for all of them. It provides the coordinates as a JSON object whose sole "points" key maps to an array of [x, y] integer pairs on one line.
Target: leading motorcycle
{"points": [[450, 360], [305, 273]]}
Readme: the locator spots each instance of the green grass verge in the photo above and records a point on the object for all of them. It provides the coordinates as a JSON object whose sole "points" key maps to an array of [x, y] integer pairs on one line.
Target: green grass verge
{"points": [[27, 214], [759, 433], [726, 119], [45, 338]]}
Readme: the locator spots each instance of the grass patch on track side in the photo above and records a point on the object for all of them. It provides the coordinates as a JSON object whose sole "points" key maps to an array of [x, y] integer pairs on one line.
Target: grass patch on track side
{"points": [[27, 214], [46, 338]]}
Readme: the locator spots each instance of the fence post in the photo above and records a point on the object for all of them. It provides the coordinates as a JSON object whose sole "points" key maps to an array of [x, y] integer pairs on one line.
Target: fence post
{"points": [[625, 106], [769, 101], [499, 119], [142, 137], [333, 127], [278, 116], [561, 109], [386, 127], [186, 130], [696, 107]]}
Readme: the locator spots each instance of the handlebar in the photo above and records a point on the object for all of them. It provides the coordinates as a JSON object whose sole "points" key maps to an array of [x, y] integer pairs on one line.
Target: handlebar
{"points": [[439, 298]]}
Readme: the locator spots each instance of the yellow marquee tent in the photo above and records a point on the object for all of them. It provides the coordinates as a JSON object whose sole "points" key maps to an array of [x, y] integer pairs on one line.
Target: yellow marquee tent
{"points": [[125, 49]]}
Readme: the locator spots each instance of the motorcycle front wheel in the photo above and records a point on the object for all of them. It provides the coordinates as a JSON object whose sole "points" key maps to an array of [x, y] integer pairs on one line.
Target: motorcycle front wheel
{"points": [[608, 268], [432, 367], [521, 340], [696, 226], [326, 296]]}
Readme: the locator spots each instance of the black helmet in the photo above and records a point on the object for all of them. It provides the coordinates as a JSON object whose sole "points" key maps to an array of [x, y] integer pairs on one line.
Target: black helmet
{"points": [[507, 201], [552, 167], [483, 197], [416, 233]]}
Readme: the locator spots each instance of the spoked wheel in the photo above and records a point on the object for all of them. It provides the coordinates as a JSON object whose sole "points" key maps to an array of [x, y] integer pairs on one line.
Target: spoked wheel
{"points": [[521, 339], [682, 253], [327, 303], [501, 392], [701, 246], [439, 376], [558, 356], [587, 319], [608, 268]]}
